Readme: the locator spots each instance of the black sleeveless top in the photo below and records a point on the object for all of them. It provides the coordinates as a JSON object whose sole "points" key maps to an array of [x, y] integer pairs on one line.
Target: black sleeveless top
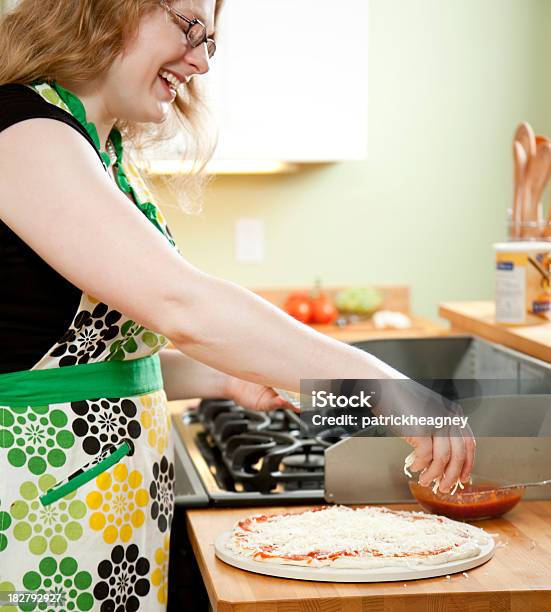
{"points": [[37, 304]]}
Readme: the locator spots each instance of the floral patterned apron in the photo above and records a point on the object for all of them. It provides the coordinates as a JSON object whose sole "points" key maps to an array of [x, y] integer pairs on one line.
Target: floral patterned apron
{"points": [[86, 456]]}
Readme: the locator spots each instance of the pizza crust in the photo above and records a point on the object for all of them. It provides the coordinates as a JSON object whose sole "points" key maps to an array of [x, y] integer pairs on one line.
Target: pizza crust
{"points": [[358, 538]]}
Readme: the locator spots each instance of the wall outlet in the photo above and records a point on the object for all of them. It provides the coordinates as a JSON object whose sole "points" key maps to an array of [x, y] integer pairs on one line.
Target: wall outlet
{"points": [[249, 241]]}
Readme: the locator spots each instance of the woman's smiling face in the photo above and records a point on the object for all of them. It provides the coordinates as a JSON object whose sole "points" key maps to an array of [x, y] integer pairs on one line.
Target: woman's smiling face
{"points": [[135, 90]]}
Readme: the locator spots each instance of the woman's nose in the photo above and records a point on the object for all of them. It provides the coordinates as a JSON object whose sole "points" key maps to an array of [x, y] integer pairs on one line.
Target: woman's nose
{"points": [[198, 58]]}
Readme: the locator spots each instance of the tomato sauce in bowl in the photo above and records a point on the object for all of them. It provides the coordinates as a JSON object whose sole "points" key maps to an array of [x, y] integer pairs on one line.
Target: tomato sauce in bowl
{"points": [[479, 500]]}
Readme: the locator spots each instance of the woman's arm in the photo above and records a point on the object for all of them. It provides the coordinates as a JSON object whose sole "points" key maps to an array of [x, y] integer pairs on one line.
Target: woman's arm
{"points": [[237, 332], [185, 378], [56, 196]]}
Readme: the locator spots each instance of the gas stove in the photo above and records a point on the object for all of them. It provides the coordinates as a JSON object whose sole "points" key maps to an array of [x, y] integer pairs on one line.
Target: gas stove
{"points": [[247, 457]]}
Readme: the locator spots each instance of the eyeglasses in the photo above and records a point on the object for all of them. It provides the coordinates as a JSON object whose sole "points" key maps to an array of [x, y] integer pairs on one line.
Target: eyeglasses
{"points": [[196, 32]]}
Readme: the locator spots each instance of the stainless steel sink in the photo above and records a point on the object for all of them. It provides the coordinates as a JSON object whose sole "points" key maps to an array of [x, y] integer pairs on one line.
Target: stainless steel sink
{"points": [[459, 357]]}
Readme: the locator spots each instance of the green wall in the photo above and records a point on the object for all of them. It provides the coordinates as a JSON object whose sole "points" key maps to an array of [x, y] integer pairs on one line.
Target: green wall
{"points": [[449, 80], [545, 51]]}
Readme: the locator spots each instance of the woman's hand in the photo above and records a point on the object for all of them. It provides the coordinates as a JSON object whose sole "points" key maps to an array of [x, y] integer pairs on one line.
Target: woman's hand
{"points": [[255, 397], [448, 458]]}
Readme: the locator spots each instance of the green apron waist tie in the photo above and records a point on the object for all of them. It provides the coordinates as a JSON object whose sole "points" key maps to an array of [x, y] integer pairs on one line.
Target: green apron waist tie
{"points": [[81, 382]]}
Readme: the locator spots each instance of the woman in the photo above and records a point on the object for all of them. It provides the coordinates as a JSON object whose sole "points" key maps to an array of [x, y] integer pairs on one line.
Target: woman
{"points": [[93, 285]]}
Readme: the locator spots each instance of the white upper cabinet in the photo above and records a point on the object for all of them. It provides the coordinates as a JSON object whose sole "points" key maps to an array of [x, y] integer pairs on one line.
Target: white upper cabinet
{"points": [[289, 80]]}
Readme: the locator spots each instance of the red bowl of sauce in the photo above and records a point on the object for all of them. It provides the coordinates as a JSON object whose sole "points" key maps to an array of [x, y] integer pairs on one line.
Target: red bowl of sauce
{"points": [[481, 499]]}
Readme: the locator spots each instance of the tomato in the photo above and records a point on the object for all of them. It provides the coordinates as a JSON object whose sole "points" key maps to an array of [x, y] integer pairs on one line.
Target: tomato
{"points": [[311, 307], [299, 307], [323, 310]]}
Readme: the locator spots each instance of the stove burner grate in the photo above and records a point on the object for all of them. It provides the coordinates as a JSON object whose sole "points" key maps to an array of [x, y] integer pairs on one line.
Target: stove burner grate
{"points": [[259, 451]]}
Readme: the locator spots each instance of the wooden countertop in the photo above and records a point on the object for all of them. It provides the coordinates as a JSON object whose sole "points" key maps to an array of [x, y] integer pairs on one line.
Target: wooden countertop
{"points": [[395, 297], [365, 330], [479, 318], [518, 578]]}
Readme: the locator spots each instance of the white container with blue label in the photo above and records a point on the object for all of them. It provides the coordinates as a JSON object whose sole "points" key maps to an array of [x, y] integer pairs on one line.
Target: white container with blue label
{"points": [[522, 287]]}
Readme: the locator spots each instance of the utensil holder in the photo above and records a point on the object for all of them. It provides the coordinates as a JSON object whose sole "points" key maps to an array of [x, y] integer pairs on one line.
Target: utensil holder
{"points": [[528, 230]]}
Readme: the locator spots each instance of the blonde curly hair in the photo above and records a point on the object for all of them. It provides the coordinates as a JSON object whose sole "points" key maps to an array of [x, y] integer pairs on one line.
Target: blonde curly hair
{"points": [[77, 41]]}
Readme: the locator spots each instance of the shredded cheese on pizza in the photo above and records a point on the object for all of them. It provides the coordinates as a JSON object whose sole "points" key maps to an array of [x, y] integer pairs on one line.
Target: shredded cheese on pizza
{"points": [[364, 537]]}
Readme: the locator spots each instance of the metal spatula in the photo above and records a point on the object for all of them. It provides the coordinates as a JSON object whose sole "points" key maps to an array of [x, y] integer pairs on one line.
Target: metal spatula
{"points": [[541, 483]]}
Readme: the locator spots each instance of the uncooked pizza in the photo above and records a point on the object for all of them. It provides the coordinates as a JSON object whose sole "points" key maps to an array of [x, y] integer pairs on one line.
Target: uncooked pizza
{"points": [[364, 537]]}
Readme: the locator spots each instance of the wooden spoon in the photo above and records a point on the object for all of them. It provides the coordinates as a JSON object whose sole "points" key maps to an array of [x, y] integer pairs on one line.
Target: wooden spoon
{"points": [[537, 174], [525, 135], [519, 160], [547, 229]]}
